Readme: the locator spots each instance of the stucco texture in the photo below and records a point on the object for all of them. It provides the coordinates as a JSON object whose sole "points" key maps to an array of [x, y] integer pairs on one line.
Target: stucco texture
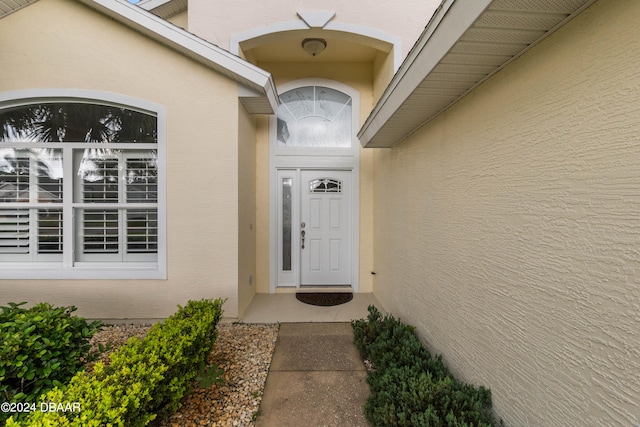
{"points": [[246, 209], [96, 53], [508, 229], [403, 18]]}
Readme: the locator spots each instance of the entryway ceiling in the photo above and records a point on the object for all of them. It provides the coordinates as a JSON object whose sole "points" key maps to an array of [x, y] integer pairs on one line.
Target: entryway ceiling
{"points": [[287, 47]]}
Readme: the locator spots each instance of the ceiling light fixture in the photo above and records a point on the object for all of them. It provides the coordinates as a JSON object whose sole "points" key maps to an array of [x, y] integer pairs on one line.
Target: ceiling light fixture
{"points": [[314, 46]]}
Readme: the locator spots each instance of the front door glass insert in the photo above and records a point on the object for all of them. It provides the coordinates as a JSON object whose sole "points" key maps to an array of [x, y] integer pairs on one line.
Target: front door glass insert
{"points": [[287, 183]]}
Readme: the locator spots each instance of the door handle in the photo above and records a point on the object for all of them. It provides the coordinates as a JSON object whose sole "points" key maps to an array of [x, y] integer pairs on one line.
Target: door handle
{"points": [[302, 233]]}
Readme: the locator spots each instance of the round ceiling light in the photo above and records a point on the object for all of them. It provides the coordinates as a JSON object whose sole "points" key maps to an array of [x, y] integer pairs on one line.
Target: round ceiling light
{"points": [[314, 46]]}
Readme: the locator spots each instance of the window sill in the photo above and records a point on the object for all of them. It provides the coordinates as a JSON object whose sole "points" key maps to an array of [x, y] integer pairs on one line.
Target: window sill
{"points": [[83, 271]]}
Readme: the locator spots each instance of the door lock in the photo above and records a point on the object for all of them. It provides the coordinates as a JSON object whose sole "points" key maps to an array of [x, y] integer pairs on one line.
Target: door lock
{"points": [[302, 233]]}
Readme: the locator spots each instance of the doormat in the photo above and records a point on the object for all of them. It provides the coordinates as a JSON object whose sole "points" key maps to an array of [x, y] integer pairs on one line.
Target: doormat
{"points": [[324, 299]]}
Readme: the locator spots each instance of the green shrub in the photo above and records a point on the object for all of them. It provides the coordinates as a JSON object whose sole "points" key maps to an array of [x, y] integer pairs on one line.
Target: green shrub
{"points": [[408, 386], [145, 378], [40, 348]]}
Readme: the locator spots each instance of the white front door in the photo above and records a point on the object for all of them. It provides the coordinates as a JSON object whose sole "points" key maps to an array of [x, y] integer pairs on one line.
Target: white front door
{"points": [[315, 227], [325, 228]]}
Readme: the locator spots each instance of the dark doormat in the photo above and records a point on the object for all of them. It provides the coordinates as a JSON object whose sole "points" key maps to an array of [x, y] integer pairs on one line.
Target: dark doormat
{"points": [[324, 299]]}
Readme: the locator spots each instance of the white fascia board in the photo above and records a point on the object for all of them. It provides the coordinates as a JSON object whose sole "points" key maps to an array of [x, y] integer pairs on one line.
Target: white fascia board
{"points": [[450, 21], [192, 46], [152, 4]]}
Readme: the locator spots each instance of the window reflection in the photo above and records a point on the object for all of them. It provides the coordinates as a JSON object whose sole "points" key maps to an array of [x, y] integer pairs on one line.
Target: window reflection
{"points": [[314, 116], [32, 175], [76, 122], [287, 184]]}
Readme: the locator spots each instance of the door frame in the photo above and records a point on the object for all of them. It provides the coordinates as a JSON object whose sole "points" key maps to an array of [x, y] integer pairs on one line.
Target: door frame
{"points": [[314, 159], [293, 278]]}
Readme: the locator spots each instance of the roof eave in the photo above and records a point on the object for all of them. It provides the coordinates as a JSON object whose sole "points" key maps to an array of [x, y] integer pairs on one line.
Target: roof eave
{"points": [[218, 59], [9, 7], [164, 8], [412, 93]]}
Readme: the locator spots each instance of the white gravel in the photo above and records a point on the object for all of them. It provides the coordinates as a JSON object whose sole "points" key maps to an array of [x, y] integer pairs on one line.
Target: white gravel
{"points": [[242, 351]]}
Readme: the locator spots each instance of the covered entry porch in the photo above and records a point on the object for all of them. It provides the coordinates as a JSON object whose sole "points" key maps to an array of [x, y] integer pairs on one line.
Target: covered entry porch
{"points": [[285, 308]]}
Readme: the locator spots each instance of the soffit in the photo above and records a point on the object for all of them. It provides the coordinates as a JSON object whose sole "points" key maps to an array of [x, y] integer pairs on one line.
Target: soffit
{"points": [[459, 49], [165, 9], [10, 6], [260, 96]]}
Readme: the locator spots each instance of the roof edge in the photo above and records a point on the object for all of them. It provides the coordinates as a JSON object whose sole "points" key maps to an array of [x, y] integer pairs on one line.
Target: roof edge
{"points": [[448, 23], [206, 53], [415, 95]]}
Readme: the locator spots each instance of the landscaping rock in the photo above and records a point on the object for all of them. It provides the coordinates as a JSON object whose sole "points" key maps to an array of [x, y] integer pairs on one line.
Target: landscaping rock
{"points": [[242, 351]]}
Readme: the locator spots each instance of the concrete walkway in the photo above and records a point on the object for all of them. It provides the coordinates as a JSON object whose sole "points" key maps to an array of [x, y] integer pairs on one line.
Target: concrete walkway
{"points": [[316, 378]]}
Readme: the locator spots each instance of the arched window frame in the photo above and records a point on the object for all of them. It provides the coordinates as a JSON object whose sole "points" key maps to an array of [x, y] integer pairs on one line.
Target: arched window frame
{"points": [[71, 266], [280, 154], [315, 117]]}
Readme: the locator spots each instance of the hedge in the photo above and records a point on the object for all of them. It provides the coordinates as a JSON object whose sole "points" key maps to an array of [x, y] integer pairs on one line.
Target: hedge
{"points": [[40, 348], [408, 386], [145, 378]]}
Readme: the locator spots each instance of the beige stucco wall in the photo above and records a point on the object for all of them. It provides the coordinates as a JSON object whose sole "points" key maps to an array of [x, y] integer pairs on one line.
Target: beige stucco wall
{"points": [[359, 77], [508, 229], [401, 18], [62, 44], [246, 209], [262, 206], [396, 18]]}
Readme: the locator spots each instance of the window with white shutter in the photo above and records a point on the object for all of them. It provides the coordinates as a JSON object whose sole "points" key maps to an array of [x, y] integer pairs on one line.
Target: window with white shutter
{"points": [[79, 187], [116, 205], [30, 205]]}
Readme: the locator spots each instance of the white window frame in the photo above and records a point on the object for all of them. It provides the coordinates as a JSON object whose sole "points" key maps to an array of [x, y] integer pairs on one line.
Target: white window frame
{"points": [[69, 268]]}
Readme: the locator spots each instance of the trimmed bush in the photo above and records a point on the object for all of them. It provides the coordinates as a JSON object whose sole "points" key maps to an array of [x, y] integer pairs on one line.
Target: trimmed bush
{"points": [[408, 386], [145, 378], [40, 348]]}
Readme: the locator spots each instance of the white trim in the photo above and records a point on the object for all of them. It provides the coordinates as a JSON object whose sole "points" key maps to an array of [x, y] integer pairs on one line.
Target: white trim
{"points": [[151, 4], [377, 39], [452, 22], [192, 46], [373, 34], [385, 127], [278, 27], [317, 18], [314, 159], [68, 269], [288, 278]]}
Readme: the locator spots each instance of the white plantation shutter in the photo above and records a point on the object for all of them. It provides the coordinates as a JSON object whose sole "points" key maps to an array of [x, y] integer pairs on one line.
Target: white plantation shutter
{"points": [[142, 187], [101, 229], [49, 231], [118, 183], [100, 180], [142, 231], [27, 232], [142, 180], [14, 231]]}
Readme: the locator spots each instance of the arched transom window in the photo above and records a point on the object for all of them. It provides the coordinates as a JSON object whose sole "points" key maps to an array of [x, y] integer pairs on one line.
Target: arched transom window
{"points": [[315, 117]]}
